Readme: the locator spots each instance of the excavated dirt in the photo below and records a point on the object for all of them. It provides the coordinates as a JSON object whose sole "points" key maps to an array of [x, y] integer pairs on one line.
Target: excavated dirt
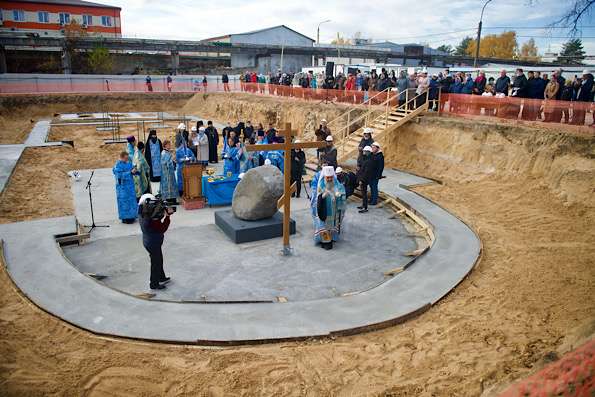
{"points": [[529, 299], [18, 113], [304, 116]]}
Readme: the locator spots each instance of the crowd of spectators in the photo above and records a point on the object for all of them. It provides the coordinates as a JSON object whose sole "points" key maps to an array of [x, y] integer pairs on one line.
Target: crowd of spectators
{"points": [[541, 90], [419, 86]]}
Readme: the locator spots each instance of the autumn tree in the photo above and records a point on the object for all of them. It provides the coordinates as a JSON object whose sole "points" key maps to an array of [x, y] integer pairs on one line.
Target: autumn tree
{"points": [[340, 40], [446, 48], [502, 45], [529, 51], [462, 47], [572, 52]]}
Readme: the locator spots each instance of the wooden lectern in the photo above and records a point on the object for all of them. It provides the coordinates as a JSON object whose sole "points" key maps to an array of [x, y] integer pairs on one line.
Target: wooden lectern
{"points": [[192, 174]]}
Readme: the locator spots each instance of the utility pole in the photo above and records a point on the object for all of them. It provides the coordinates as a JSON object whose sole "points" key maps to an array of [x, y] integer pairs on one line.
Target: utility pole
{"points": [[479, 35], [281, 64], [318, 31]]}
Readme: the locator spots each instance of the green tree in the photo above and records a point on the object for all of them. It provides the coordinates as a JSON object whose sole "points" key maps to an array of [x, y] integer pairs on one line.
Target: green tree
{"points": [[572, 52], [100, 60], [446, 48], [462, 47]]}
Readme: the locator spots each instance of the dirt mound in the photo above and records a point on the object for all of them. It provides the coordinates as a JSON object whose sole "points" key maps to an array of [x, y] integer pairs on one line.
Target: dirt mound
{"points": [[304, 116], [461, 150]]}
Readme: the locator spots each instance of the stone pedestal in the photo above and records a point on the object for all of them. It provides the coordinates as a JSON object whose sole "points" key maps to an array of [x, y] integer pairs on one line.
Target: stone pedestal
{"points": [[241, 231]]}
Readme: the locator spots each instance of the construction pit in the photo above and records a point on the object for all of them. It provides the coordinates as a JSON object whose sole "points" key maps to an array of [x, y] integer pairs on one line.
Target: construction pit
{"points": [[523, 294]]}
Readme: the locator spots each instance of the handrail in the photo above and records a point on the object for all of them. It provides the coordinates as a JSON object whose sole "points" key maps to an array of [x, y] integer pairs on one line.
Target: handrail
{"points": [[368, 101], [404, 106]]}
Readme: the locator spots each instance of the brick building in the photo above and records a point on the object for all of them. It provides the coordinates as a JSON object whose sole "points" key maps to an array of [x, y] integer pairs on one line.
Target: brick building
{"points": [[48, 18]]}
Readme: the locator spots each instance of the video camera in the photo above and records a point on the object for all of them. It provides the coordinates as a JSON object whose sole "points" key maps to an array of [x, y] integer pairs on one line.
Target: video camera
{"points": [[155, 209]]}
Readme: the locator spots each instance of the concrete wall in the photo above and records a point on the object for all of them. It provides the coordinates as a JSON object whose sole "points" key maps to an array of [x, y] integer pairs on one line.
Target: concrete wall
{"points": [[49, 62]]}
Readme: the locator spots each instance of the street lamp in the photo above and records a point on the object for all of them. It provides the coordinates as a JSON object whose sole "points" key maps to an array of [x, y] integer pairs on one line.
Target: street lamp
{"points": [[318, 31], [479, 35]]}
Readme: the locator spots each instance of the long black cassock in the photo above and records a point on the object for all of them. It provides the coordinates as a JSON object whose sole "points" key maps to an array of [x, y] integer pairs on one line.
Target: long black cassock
{"points": [[213, 142]]}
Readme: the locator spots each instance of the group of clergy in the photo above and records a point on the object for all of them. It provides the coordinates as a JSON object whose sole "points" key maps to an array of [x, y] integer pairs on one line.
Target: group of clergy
{"points": [[154, 161]]}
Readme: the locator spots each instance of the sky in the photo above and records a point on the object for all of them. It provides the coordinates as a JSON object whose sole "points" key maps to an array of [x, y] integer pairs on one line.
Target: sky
{"points": [[432, 22]]}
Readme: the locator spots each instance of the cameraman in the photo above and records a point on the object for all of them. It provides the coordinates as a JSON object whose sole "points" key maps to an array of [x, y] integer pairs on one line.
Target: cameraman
{"points": [[154, 221]]}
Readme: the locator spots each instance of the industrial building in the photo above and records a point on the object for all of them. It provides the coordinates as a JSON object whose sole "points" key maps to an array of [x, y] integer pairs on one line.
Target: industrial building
{"points": [[267, 62], [49, 17]]}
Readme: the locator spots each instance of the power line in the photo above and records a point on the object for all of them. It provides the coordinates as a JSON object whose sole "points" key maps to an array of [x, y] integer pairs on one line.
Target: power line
{"points": [[536, 27]]}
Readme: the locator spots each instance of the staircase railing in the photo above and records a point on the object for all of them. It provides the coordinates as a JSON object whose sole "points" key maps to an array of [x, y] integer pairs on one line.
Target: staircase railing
{"points": [[366, 117], [341, 130], [387, 111]]}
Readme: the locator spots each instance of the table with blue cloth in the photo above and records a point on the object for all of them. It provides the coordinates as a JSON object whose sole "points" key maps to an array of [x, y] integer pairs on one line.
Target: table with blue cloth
{"points": [[219, 191]]}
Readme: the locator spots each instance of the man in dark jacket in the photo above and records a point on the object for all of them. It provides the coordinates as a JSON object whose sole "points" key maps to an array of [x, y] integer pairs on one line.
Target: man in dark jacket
{"points": [[531, 107], [154, 222], [298, 161], [502, 83], [584, 94], [248, 131], [365, 174], [271, 133], [519, 86], [329, 153], [378, 161], [348, 179]]}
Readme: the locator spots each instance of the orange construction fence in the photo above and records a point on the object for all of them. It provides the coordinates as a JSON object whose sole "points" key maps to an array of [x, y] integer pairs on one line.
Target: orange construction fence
{"points": [[549, 110], [92, 84]]}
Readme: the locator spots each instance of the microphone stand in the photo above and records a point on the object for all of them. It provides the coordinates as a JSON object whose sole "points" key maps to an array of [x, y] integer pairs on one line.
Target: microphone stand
{"points": [[88, 187]]}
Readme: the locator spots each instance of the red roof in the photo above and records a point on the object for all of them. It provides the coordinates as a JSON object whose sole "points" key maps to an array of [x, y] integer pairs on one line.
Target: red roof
{"points": [[80, 3]]}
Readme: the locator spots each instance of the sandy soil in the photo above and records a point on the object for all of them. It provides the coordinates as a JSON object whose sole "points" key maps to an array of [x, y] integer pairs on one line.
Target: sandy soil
{"points": [[528, 300], [18, 113], [304, 116]]}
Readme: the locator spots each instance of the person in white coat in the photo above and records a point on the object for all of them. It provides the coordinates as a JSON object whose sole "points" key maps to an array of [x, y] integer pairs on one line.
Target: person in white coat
{"points": [[200, 141]]}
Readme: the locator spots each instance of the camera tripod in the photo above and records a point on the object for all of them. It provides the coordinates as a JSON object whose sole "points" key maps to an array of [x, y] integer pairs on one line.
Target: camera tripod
{"points": [[88, 187]]}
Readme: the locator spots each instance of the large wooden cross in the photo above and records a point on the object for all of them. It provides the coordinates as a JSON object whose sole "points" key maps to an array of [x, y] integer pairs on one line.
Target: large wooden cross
{"points": [[287, 133]]}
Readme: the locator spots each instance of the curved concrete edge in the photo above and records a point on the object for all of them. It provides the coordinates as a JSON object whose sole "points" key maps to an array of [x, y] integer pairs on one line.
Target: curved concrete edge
{"points": [[57, 287]]}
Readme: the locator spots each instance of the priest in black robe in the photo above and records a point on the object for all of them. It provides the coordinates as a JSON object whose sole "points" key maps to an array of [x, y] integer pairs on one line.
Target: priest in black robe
{"points": [[213, 136]]}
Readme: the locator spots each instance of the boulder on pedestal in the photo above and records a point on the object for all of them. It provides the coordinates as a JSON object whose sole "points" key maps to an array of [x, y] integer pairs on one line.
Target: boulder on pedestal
{"points": [[255, 197]]}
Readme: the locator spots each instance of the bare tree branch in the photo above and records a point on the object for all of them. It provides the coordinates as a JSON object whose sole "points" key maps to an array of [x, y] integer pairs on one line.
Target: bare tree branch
{"points": [[572, 19]]}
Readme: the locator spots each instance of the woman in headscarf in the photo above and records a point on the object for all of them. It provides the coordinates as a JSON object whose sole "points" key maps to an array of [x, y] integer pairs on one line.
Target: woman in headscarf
{"points": [[153, 149], [168, 187], [125, 194], [328, 208], [141, 179]]}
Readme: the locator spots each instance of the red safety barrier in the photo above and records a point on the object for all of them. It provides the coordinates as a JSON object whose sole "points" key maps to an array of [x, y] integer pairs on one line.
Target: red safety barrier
{"points": [[571, 376], [552, 111], [97, 85]]}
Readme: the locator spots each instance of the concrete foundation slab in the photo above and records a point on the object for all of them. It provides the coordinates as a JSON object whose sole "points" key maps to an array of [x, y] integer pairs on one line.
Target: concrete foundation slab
{"points": [[241, 231], [46, 277]]}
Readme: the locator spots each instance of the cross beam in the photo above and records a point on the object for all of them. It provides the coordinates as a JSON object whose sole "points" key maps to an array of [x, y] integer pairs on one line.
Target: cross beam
{"points": [[285, 200]]}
